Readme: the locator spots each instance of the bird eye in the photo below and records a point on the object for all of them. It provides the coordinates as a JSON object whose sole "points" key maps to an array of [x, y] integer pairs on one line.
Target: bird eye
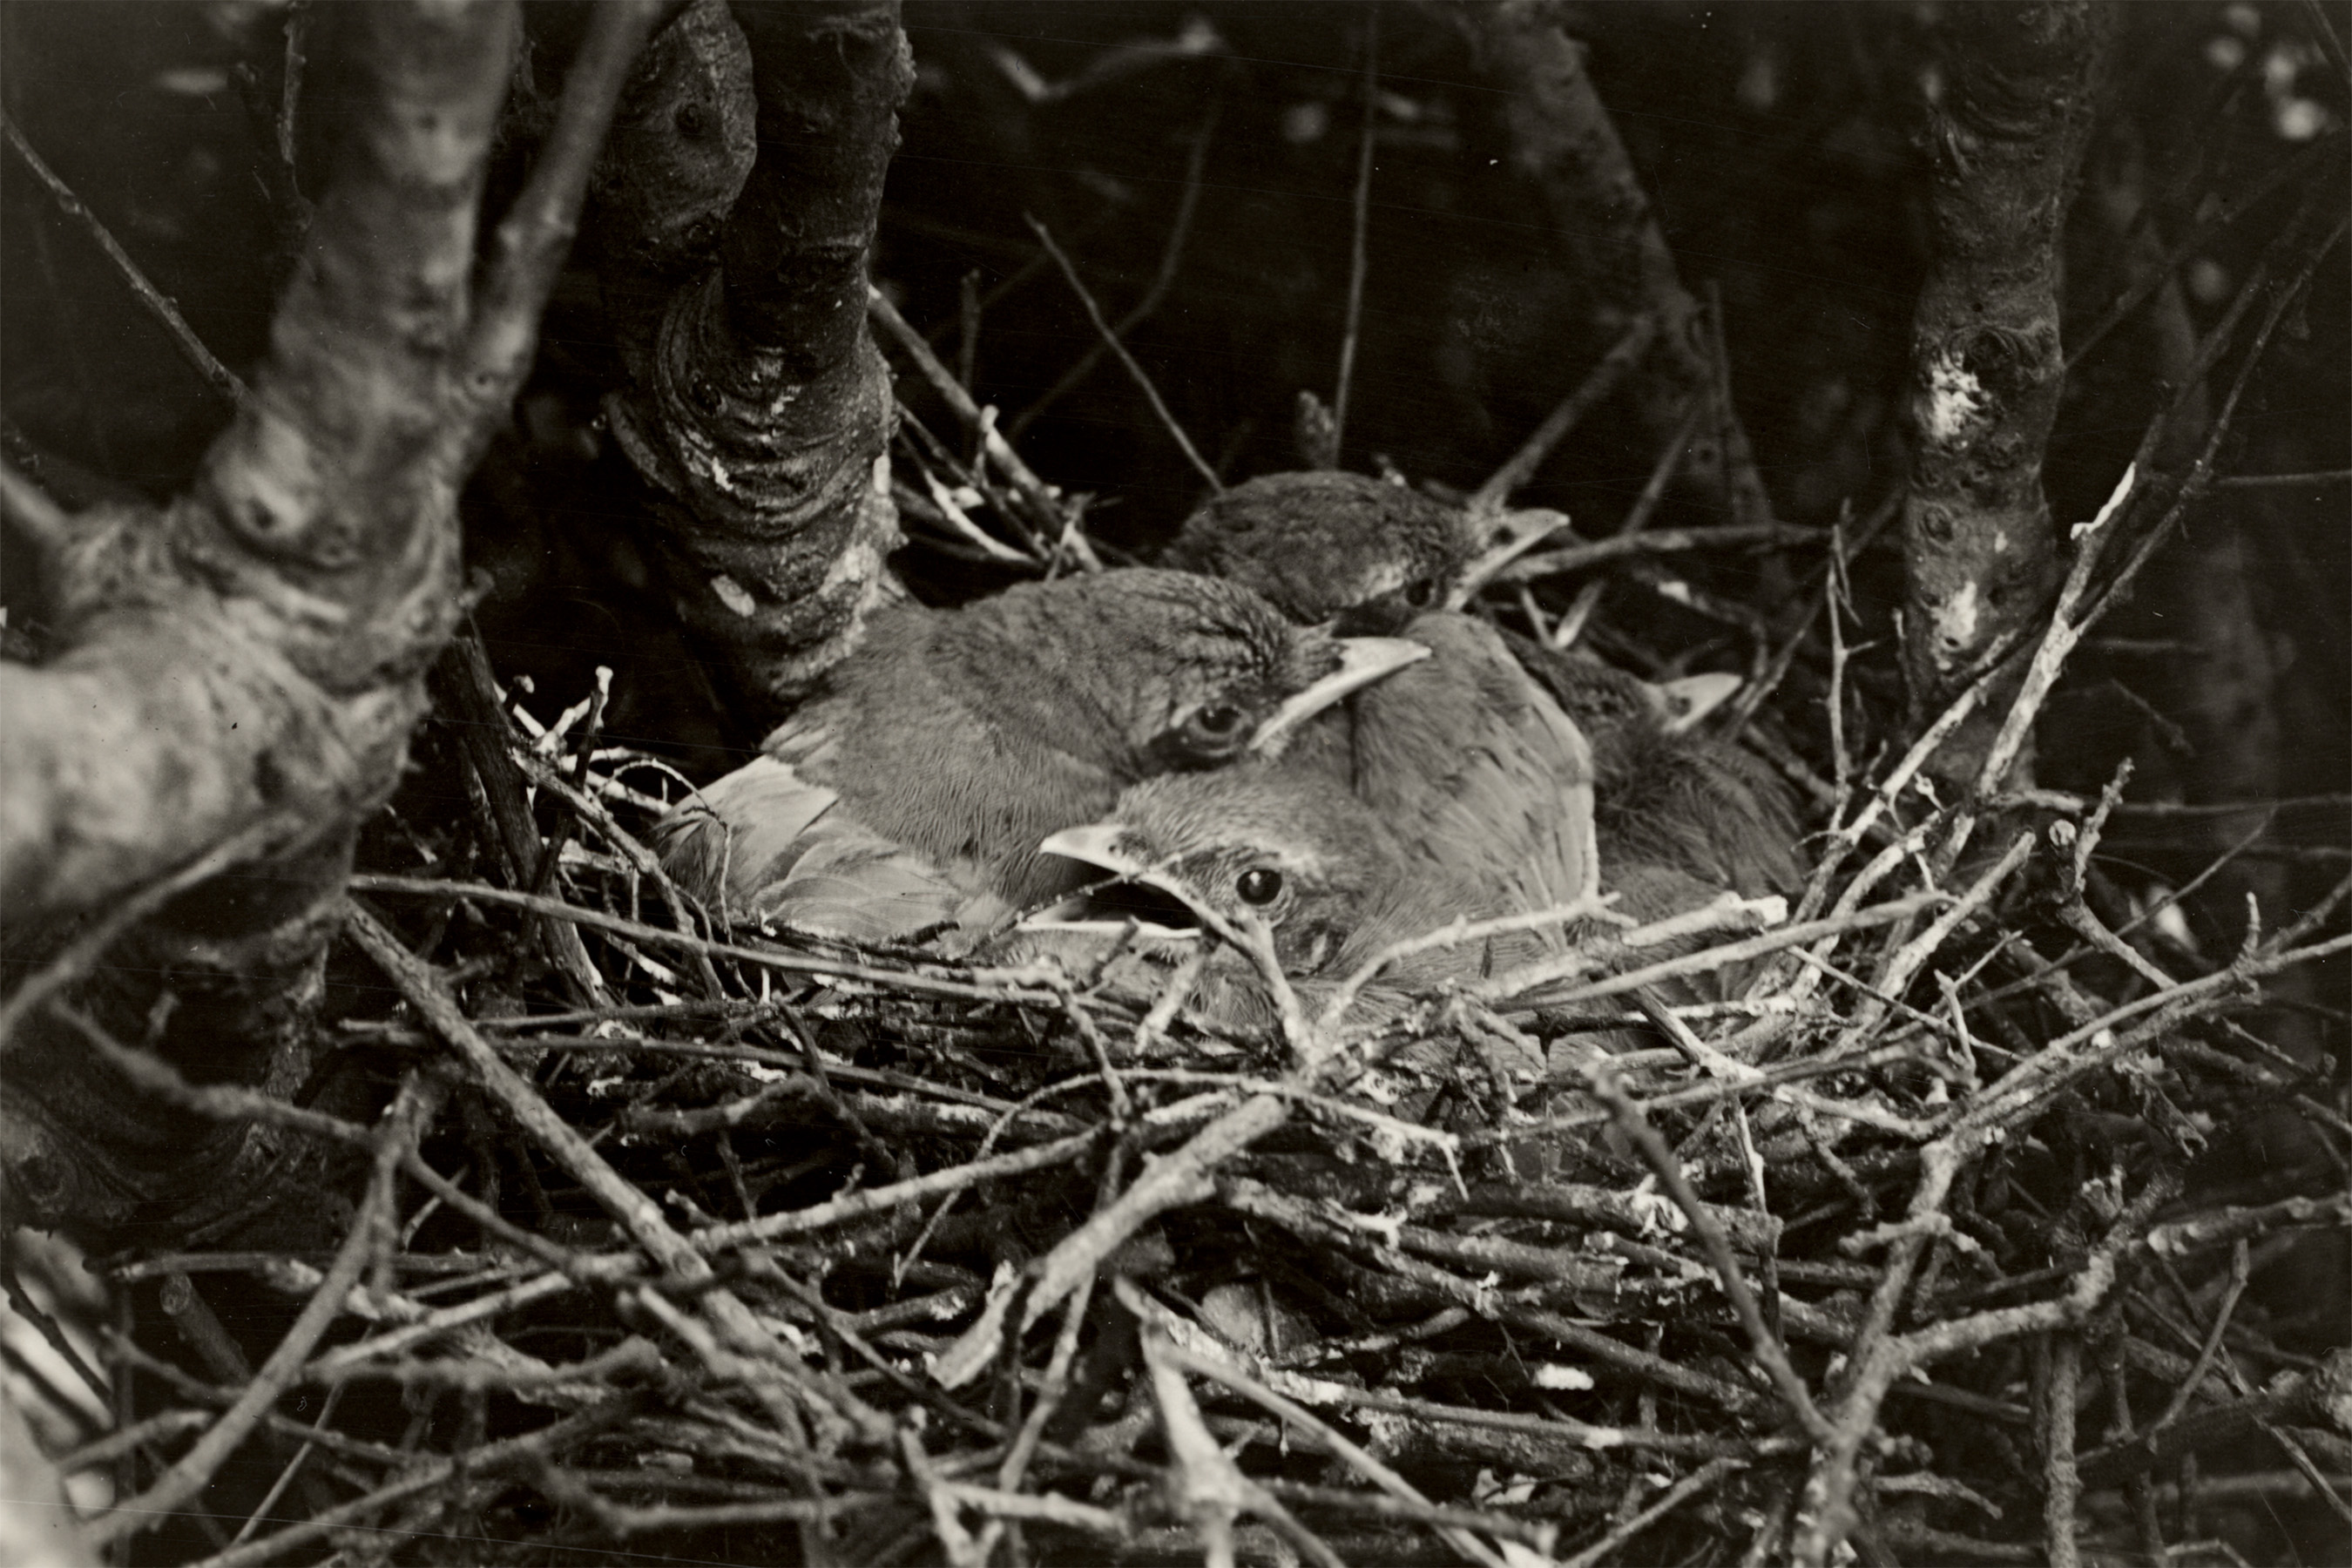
{"points": [[1421, 593], [1218, 719], [1259, 886]]}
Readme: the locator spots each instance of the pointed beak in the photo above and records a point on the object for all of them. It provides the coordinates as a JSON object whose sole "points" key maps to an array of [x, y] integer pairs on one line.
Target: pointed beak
{"points": [[1070, 917], [1362, 660], [1113, 846], [1683, 702], [1117, 848]]}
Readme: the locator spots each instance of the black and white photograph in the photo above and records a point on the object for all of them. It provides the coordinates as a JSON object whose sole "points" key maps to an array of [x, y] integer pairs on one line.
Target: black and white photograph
{"points": [[1122, 783]]}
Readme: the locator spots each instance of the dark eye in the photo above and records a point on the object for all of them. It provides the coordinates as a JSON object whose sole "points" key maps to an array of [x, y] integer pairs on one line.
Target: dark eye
{"points": [[1421, 593], [1259, 886], [1218, 719]]}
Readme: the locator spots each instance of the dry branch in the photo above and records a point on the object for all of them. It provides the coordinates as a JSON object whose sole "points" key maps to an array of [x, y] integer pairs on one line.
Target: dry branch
{"points": [[1606, 230]]}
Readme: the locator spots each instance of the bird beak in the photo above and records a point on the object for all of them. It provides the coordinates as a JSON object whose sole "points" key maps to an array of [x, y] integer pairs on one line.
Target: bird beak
{"points": [[1070, 916], [1109, 845], [1362, 660], [1117, 848], [1682, 703]]}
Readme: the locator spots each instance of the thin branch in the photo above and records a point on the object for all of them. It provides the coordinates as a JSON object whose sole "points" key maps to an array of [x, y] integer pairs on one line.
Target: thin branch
{"points": [[1187, 206], [531, 244], [2282, 482], [215, 374], [1669, 1171], [1362, 223], [1044, 507], [195, 1469], [1488, 498], [1657, 541], [1135, 372]]}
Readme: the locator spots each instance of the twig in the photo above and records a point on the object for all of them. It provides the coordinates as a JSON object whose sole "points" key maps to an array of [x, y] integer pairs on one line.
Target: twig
{"points": [[1361, 224], [1488, 498], [1175, 1180], [1162, 280], [2080, 344], [194, 1470], [2210, 1350], [2200, 474], [2293, 1402], [490, 1460], [2061, 1483], [1637, 518], [1044, 508], [200, 359], [227, 1103], [1135, 372], [1513, 985], [1660, 542], [528, 249], [1298, 1414], [1669, 1171], [2282, 482], [636, 1213], [655, 936], [1682, 1491], [83, 954], [881, 1200]]}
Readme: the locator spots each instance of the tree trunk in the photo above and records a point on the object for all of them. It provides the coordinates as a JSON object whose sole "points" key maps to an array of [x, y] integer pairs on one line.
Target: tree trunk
{"points": [[239, 670], [760, 412], [2007, 137]]}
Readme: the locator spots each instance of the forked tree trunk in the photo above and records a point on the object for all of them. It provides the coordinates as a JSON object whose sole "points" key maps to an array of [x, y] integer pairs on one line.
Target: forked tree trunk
{"points": [[240, 670]]}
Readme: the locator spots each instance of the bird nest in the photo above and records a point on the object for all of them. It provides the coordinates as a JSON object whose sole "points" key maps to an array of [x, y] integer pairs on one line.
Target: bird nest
{"points": [[682, 1242]]}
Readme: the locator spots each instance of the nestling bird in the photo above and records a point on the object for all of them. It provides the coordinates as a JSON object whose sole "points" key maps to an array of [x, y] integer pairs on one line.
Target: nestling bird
{"points": [[1375, 556], [1320, 543], [1480, 775], [911, 793], [1291, 847]]}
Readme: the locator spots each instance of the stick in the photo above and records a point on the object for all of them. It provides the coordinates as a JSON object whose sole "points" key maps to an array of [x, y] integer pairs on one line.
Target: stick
{"points": [[215, 374], [1356, 254], [1179, 233], [1135, 371], [1488, 498], [196, 1467]]}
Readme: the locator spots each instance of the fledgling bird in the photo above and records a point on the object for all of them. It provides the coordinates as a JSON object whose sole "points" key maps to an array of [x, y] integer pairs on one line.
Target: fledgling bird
{"points": [[1292, 847], [1374, 555], [1321, 543], [1480, 775], [911, 792], [1289, 846]]}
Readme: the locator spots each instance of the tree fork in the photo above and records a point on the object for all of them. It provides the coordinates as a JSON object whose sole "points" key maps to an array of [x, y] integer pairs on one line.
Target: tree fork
{"points": [[246, 663]]}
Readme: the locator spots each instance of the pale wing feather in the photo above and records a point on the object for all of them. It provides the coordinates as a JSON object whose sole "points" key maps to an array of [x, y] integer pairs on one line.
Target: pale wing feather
{"points": [[767, 843]]}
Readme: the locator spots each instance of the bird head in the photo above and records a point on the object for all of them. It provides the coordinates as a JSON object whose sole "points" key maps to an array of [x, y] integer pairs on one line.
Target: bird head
{"points": [[1258, 843], [1324, 545], [1187, 672]]}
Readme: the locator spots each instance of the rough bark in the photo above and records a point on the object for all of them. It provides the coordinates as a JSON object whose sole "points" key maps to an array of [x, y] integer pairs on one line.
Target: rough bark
{"points": [[1564, 143], [245, 663], [2006, 139], [760, 409]]}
